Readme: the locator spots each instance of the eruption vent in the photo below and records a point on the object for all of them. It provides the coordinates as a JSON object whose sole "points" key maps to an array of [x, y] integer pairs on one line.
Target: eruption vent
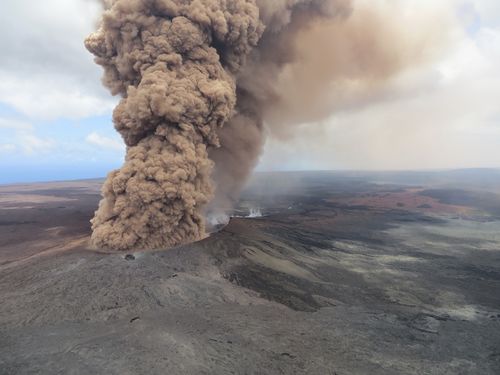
{"points": [[174, 63], [198, 81]]}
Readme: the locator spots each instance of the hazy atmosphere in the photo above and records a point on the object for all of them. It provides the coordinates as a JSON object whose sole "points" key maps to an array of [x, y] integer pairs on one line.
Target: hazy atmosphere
{"points": [[250, 187], [438, 108]]}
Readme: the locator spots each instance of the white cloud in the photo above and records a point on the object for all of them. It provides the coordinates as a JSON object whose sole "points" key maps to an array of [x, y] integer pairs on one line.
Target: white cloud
{"points": [[106, 143], [45, 71], [31, 144], [50, 97], [15, 125], [21, 136], [7, 148], [489, 11]]}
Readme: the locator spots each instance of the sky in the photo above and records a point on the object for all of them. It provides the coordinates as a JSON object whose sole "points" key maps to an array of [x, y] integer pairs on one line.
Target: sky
{"points": [[55, 116]]}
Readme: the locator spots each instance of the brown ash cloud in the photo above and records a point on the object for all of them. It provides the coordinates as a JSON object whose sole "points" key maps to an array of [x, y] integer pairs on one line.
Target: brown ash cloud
{"points": [[202, 84]]}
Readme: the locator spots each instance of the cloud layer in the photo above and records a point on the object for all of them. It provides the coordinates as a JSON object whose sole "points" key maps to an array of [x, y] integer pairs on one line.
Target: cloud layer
{"points": [[45, 71]]}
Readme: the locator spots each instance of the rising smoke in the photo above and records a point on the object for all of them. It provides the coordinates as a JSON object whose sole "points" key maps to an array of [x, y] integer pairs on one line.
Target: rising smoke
{"points": [[202, 84]]}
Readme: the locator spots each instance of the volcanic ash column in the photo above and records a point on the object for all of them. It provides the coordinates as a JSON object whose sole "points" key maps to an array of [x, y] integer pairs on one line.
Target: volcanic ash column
{"points": [[186, 68], [174, 64]]}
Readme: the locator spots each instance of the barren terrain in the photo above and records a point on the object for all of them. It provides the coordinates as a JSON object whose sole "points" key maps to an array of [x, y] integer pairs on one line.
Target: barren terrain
{"points": [[343, 274]]}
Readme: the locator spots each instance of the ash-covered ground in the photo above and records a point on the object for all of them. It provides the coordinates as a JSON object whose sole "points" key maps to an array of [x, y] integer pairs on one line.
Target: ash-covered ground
{"points": [[344, 273]]}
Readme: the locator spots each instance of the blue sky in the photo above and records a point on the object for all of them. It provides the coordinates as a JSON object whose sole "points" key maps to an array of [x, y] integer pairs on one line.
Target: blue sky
{"points": [[55, 116], [57, 149]]}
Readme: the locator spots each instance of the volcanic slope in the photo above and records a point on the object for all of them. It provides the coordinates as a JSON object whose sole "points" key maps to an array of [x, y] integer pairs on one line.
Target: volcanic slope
{"points": [[341, 275]]}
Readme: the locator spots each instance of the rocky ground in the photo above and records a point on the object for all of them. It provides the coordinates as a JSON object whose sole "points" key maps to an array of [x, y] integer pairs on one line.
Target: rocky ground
{"points": [[343, 274]]}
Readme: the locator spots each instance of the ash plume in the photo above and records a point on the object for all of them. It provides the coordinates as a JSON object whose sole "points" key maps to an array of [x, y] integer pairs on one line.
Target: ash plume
{"points": [[174, 64], [315, 58], [202, 84]]}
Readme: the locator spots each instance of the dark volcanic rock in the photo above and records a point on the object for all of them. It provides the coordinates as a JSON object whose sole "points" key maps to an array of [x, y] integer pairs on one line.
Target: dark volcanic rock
{"points": [[321, 288]]}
